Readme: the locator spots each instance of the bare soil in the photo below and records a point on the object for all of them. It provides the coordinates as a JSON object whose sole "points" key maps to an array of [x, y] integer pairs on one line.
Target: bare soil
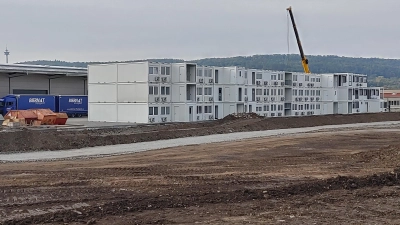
{"points": [[341, 177], [36, 140]]}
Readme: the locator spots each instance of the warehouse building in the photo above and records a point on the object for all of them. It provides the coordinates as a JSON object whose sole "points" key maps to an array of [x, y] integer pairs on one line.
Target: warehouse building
{"points": [[148, 92], [34, 79]]}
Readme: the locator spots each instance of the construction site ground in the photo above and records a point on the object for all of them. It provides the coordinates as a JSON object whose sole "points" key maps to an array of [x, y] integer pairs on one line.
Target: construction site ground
{"points": [[76, 137], [329, 177]]}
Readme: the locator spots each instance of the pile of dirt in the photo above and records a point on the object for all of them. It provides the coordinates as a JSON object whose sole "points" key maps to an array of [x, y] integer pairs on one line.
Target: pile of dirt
{"points": [[388, 156], [36, 140], [337, 183], [236, 116]]}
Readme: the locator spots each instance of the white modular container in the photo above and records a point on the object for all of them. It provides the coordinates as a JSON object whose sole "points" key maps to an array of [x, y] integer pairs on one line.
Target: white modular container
{"points": [[132, 92], [102, 73]]}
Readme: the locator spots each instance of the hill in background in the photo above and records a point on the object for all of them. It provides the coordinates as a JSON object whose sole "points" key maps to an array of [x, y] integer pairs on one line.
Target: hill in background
{"points": [[381, 72]]}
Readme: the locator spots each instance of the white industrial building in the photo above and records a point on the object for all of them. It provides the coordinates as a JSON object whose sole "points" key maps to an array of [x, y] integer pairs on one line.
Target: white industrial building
{"points": [[147, 92], [35, 79]]}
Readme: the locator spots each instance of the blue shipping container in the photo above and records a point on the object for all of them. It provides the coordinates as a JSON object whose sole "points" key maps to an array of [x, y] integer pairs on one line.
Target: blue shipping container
{"points": [[72, 104]]}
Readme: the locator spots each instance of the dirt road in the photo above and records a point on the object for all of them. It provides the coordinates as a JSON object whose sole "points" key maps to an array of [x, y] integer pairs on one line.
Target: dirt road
{"points": [[345, 177]]}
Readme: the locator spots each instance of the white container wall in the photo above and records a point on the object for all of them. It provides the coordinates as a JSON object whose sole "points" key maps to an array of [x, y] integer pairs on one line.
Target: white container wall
{"points": [[104, 73], [135, 113], [149, 92], [104, 112]]}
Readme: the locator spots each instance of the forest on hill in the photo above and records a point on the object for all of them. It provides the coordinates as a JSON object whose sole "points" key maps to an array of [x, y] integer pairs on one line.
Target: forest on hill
{"points": [[381, 72]]}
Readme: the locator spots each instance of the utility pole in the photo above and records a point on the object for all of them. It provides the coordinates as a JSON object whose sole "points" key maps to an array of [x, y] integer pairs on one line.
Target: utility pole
{"points": [[6, 53]]}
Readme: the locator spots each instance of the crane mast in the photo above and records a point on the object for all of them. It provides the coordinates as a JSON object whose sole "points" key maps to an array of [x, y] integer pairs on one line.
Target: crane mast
{"points": [[304, 60]]}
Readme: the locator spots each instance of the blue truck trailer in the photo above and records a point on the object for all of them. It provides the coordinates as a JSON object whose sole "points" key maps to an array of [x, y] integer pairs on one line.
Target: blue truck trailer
{"points": [[72, 105]]}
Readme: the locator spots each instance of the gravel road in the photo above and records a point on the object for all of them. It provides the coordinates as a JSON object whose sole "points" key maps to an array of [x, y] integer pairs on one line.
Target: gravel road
{"points": [[153, 145]]}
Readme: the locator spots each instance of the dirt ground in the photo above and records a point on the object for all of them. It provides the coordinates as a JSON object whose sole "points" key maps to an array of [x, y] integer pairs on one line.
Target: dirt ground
{"points": [[36, 140], [342, 177]]}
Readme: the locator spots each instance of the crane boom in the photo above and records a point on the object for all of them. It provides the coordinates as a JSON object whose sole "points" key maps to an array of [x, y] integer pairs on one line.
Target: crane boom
{"points": [[304, 60]]}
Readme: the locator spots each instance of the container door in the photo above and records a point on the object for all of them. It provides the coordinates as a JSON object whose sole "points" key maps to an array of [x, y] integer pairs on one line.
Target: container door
{"points": [[176, 114], [325, 96], [182, 75], [227, 94], [190, 113], [231, 109], [182, 94]]}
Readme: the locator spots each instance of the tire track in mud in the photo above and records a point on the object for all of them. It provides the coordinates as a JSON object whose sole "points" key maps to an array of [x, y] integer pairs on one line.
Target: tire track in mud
{"points": [[127, 202]]}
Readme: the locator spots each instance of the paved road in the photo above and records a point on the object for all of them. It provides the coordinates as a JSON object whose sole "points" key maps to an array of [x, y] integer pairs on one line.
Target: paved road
{"points": [[84, 122], [146, 146]]}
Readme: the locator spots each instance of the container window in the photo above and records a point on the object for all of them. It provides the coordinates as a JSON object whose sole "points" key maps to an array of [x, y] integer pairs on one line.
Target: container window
{"points": [[155, 111], [153, 70], [165, 70], [207, 91], [165, 110], [208, 73], [167, 90], [207, 109], [199, 91], [150, 111]]}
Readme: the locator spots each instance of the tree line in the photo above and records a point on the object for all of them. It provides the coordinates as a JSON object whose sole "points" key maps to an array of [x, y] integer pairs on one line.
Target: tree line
{"points": [[381, 72]]}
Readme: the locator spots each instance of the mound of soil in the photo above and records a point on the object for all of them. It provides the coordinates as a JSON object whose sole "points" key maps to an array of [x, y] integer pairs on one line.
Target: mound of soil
{"points": [[236, 116], [36, 140], [388, 156]]}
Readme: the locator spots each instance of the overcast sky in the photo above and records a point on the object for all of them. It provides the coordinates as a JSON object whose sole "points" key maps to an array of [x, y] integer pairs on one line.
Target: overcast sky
{"points": [[106, 30]]}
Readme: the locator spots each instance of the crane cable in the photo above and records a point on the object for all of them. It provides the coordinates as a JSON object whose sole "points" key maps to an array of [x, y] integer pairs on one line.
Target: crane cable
{"points": [[288, 40]]}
